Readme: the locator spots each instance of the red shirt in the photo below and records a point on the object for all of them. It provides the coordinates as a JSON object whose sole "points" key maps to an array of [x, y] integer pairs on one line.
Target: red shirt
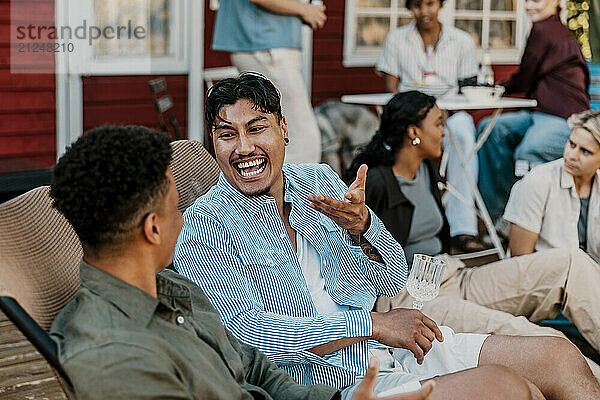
{"points": [[553, 70]]}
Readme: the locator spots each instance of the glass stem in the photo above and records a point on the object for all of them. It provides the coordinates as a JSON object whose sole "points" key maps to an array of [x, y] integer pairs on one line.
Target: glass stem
{"points": [[417, 305]]}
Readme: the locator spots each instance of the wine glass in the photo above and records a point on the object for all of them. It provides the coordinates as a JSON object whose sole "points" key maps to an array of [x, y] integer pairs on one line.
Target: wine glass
{"points": [[424, 279]]}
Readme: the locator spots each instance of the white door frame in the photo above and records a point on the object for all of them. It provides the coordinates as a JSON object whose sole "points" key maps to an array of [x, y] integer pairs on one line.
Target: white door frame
{"points": [[69, 86]]}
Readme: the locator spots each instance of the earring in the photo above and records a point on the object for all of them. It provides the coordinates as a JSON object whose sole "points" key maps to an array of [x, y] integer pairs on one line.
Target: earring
{"points": [[286, 140], [416, 141]]}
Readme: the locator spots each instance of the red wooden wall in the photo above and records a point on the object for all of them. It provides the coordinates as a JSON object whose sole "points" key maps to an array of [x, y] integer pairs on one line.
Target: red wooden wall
{"points": [[127, 100], [27, 101]]}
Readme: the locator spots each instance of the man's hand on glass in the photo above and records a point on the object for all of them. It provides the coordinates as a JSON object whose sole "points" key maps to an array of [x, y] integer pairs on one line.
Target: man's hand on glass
{"points": [[406, 329], [365, 388]]}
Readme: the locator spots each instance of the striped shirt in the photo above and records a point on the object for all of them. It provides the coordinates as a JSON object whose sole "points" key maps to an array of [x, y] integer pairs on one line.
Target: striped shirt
{"points": [[404, 55], [236, 248]]}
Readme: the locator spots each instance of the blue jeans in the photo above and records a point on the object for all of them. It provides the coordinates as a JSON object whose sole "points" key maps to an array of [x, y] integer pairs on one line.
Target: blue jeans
{"points": [[524, 135], [462, 218]]}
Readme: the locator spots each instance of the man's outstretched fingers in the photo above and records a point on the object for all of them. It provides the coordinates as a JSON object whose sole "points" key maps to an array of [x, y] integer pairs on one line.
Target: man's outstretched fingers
{"points": [[361, 178], [355, 196], [330, 211], [332, 203], [361, 175]]}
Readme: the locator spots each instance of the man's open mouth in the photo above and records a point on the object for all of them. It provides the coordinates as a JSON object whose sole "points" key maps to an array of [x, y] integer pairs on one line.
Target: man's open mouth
{"points": [[248, 169]]}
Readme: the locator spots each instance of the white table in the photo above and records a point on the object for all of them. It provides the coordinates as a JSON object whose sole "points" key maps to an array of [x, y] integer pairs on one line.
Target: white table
{"points": [[455, 102]]}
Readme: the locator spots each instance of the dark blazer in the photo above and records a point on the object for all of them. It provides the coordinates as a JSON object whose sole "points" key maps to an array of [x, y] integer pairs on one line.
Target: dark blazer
{"points": [[386, 200]]}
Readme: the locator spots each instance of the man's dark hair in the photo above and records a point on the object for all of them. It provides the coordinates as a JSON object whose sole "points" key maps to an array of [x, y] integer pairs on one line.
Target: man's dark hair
{"points": [[250, 86], [410, 2], [108, 180]]}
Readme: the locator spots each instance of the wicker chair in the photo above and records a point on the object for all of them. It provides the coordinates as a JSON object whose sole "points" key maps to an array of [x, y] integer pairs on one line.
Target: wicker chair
{"points": [[194, 169], [39, 271], [39, 275]]}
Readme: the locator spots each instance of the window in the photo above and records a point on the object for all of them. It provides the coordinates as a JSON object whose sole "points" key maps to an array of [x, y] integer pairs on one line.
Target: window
{"points": [[501, 26], [153, 14], [140, 36]]}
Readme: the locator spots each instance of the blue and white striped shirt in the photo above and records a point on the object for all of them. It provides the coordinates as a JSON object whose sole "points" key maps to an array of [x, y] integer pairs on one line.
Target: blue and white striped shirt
{"points": [[236, 248]]}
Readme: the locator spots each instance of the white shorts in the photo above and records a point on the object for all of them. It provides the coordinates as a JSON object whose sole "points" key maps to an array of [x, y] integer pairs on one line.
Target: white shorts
{"points": [[400, 373]]}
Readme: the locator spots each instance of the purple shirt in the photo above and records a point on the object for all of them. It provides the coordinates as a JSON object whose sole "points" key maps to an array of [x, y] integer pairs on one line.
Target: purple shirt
{"points": [[553, 70]]}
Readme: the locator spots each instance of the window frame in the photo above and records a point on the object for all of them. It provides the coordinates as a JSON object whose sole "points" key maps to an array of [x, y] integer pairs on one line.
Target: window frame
{"points": [[84, 62], [448, 14]]}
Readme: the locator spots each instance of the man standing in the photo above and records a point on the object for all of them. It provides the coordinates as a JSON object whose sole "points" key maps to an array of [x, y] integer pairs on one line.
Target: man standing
{"points": [[425, 46], [265, 36], [134, 331], [293, 261]]}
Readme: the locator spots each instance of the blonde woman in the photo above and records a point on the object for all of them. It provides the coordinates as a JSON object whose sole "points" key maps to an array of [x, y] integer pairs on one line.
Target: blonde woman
{"points": [[558, 204]]}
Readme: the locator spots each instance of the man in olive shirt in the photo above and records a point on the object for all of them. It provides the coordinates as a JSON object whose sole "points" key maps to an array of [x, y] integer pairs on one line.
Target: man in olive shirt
{"points": [[134, 331]]}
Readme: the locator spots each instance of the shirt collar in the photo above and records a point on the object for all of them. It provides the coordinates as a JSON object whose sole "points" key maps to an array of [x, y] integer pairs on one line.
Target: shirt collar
{"points": [[255, 203], [566, 179], [418, 40], [130, 300]]}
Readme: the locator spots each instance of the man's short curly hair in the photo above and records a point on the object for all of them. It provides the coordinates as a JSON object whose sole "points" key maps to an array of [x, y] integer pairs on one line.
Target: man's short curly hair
{"points": [[108, 180], [409, 2]]}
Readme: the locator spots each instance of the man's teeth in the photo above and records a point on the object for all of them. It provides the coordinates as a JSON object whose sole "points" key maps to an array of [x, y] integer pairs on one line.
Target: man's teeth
{"points": [[250, 164], [251, 168], [255, 172]]}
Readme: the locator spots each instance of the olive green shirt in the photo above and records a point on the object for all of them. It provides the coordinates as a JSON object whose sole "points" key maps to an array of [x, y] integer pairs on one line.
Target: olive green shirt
{"points": [[116, 341]]}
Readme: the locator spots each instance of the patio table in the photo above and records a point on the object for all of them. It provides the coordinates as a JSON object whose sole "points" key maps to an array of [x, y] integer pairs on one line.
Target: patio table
{"points": [[456, 102]]}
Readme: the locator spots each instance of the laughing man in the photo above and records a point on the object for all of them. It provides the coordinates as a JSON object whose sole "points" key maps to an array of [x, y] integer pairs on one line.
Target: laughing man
{"points": [[293, 261]]}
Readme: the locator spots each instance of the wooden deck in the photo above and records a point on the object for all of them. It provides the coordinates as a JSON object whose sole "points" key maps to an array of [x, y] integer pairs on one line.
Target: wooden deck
{"points": [[24, 373]]}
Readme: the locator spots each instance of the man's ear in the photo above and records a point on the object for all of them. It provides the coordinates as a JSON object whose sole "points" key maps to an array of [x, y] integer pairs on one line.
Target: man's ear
{"points": [[150, 228], [283, 127]]}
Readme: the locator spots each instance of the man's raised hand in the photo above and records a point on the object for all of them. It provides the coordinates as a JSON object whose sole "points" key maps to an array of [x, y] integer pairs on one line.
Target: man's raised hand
{"points": [[352, 213]]}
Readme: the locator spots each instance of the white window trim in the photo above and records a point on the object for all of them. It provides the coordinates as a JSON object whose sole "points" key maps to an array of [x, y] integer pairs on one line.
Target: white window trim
{"points": [[84, 63], [69, 86], [447, 15]]}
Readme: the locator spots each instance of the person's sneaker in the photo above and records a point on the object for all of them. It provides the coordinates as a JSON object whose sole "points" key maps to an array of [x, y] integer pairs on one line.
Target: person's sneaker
{"points": [[467, 244]]}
